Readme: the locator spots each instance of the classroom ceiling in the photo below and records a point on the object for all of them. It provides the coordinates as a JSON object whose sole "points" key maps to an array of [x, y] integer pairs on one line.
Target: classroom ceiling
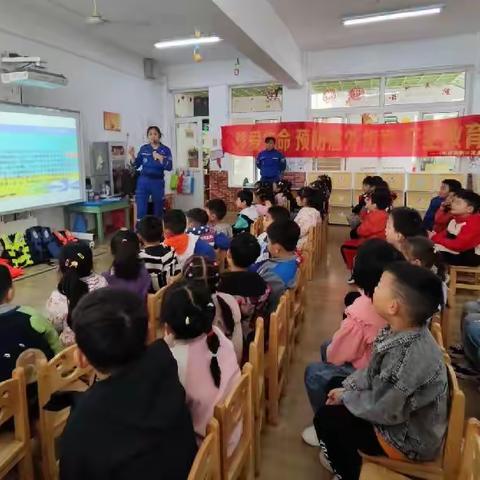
{"points": [[316, 24], [141, 23]]}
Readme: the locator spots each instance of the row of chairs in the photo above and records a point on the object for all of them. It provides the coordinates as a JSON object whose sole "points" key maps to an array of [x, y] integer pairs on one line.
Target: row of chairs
{"points": [[455, 462]]}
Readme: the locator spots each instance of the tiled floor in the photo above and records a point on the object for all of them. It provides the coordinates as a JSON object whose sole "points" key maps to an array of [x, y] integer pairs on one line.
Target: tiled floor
{"points": [[285, 456]]}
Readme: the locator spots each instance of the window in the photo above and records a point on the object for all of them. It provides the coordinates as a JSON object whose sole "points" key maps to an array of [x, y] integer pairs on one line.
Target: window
{"points": [[345, 94], [264, 98], [191, 104]]}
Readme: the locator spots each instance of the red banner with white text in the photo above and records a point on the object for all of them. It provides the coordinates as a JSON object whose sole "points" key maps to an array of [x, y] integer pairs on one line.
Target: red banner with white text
{"points": [[458, 137]]}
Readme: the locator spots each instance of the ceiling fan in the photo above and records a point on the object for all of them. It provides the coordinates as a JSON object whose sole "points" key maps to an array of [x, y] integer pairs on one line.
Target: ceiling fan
{"points": [[96, 18]]}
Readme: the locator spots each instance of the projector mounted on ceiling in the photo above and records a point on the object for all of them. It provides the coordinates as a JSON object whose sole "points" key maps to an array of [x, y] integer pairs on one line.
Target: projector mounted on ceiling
{"points": [[28, 72]]}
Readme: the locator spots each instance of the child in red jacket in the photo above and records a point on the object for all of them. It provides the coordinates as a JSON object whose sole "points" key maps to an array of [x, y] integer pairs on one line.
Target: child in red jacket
{"points": [[459, 244], [443, 215], [372, 226]]}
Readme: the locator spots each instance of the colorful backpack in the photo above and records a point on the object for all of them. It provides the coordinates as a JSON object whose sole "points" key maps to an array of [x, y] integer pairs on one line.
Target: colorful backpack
{"points": [[42, 244], [15, 249]]}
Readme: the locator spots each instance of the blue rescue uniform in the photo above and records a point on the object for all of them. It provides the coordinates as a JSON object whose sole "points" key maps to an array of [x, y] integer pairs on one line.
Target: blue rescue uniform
{"points": [[152, 178], [272, 164]]}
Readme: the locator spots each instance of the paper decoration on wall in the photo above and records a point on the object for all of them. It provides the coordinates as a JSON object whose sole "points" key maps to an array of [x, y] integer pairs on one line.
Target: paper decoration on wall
{"points": [[112, 122], [329, 95], [356, 93]]}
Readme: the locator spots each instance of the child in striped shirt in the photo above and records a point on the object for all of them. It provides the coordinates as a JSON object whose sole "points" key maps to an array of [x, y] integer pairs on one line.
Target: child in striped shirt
{"points": [[160, 260]]}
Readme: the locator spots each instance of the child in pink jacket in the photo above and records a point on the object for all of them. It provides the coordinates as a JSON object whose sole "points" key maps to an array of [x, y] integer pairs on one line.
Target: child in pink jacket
{"points": [[351, 346], [207, 364]]}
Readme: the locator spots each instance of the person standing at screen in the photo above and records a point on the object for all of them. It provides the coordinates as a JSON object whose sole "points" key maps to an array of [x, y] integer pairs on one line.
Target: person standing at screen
{"points": [[271, 162], [152, 161]]}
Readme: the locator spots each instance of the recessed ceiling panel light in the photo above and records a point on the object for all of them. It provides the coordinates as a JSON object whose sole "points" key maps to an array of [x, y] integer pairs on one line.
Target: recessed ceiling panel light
{"points": [[393, 15], [186, 42]]}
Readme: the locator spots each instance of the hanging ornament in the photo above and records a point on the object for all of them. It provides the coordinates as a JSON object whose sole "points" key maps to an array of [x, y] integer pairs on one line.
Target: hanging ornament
{"points": [[272, 92], [236, 68], [356, 93], [329, 95], [447, 91], [197, 56]]}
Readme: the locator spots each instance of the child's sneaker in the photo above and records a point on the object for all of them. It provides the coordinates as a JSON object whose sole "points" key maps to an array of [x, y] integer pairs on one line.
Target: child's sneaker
{"points": [[309, 436], [456, 350], [466, 373]]}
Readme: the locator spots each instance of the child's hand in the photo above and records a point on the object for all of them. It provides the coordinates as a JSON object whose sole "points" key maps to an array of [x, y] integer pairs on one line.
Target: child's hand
{"points": [[430, 234], [335, 396], [158, 157]]}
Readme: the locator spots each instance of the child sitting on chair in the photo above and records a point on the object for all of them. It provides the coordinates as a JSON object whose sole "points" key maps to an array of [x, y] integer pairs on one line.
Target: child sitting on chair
{"points": [[309, 216], [280, 270], [398, 406], [402, 223], [459, 244], [134, 422], [128, 270], [274, 214], [448, 186], [264, 199], [248, 213], [160, 260], [351, 346], [77, 278], [207, 364], [184, 244], [197, 223], [217, 210], [21, 328]]}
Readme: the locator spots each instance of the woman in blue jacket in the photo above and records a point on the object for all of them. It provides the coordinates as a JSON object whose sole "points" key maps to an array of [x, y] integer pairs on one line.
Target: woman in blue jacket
{"points": [[152, 161]]}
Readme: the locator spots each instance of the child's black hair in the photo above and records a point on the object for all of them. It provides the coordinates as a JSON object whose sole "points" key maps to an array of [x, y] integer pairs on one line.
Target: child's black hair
{"points": [[201, 270], [218, 207], [175, 221], [150, 228], [245, 196], [5, 282], [75, 262], [372, 258], [423, 249], [368, 180], [407, 221], [382, 198], [125, 248], [285, 233], [312, 196], [270, 139], [470, 197], [453, 185], [285, 188], [418, 289], [110, 327], [244, 250], [265, 195], [198, 216], [189, 311], [279, 213]]}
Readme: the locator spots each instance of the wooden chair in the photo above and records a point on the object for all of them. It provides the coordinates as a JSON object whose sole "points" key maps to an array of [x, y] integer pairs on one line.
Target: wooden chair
{"points": [[470, 469], [256, 357], [61, 373], [257, 227], [436, 331], [15, 449], [319, 243], [277, 359], [207, 464], [308, 253], [372, 471], [448, 464], [154, 303], [237, 410], [456, 284]]}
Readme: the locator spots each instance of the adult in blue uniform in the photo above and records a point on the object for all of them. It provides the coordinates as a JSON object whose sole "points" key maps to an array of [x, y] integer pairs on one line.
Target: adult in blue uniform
{"points": [[271, 162], [152, 161]]}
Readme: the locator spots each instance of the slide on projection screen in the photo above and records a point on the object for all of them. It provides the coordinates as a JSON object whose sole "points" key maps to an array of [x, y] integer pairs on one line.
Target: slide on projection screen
{"points": [[40, 158]]}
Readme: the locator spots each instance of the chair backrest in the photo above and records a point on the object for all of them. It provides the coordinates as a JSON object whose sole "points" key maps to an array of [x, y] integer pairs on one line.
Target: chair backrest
{"points": [[256, 357], [62, 372], [456, 420], [436, 331], [221, 257], [257, 227], [278, 328], [236, 410], [207, 464], [470, 469]]}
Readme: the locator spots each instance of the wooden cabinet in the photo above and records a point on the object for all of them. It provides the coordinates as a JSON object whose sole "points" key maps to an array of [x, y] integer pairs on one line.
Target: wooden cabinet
{"points": [[341, 180], [396, 181], [421, 182], [419, 200], [341, 198], [338, 215]]}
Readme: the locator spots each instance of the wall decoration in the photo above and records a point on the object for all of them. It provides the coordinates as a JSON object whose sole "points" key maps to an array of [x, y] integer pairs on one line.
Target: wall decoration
{"points": [[112, 122]]}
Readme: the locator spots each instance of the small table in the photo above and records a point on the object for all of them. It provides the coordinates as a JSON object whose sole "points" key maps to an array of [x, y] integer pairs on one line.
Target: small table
{"points": [[98, 208]]}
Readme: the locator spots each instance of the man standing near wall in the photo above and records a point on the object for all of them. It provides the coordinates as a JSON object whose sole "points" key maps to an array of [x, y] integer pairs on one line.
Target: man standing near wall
{"points": [[271, 162]]}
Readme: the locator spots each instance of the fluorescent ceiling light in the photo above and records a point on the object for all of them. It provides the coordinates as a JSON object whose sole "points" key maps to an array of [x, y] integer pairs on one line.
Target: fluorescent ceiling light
{"points": [[394, 15], [186, 42]]}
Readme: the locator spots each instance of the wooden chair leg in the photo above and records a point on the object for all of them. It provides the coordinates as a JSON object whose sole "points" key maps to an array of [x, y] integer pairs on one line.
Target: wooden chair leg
{"points": [[25, 467], [273, 399], [445, 324], [452, 291]]}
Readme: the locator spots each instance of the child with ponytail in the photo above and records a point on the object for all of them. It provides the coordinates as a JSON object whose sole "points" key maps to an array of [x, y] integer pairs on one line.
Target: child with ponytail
{"points": [[309, 201], [128, 270], [76, 280], [200, 270], [207, 364]]}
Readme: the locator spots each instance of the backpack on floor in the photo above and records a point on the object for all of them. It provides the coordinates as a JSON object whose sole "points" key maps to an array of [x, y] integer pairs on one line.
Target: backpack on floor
{"points": [[42, 244], [15, 250], [64, 236]]}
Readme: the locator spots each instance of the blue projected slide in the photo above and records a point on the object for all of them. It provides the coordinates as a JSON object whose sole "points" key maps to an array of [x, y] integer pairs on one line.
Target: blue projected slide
{"points": [[39, 159]]}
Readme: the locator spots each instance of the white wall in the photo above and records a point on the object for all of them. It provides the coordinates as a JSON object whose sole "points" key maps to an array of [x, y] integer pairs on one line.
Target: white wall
{"points": [[94, 88]]}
